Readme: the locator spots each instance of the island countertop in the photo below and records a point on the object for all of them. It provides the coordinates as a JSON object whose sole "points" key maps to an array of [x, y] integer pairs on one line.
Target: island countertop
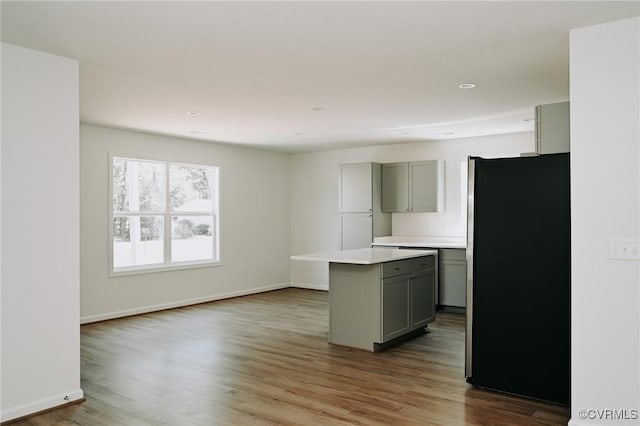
{"points": [[417, 242], [365, 256]]}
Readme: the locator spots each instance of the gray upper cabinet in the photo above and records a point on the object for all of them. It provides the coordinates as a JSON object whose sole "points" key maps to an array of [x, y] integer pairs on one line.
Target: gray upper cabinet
{"points": [[395, 187], [413, 187], [424, 180], [552, 128], [361, 216]]}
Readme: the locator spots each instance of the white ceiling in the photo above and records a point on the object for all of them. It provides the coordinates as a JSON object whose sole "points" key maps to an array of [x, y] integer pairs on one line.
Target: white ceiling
{"points": [[300, 76]]}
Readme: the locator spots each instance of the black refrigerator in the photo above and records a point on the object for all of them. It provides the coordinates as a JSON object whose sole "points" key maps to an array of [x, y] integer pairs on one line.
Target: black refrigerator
{"points": [[518, 336]]}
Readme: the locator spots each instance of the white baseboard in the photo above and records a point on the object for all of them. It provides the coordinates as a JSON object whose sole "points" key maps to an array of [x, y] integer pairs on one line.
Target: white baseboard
{"points": [[41, 405], [152, 308], [575, 422], [310, 286]]}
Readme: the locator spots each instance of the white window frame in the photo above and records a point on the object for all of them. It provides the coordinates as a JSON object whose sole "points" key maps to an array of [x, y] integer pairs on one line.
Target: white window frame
{"points": [[167, 264]]}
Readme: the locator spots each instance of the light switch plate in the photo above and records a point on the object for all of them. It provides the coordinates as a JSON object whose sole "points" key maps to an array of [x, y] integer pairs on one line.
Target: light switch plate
{"points": [[624, 248]]}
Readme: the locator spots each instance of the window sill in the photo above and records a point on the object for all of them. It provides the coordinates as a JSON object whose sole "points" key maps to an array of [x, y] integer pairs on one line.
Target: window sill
{"points": [[121, 272]]}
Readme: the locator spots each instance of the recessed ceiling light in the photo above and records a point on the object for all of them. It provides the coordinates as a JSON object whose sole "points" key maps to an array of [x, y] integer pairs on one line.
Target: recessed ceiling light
{"points": [[528, 119], [448, 134], [318, 108], [299, 134], [467, 85], [193, 113], [198, 133]]}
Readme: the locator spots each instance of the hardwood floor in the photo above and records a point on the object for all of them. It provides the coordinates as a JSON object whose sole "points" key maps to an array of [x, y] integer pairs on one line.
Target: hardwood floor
{"points": [[264, 359]]}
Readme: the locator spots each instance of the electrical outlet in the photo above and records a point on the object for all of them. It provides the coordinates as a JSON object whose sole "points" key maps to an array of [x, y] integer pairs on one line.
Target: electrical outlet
{"points": [[624, 248]]}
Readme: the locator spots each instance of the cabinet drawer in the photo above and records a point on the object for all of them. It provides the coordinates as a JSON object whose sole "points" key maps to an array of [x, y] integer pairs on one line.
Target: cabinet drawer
{"points": [[398, 267], [422, 263], [453, 254]]}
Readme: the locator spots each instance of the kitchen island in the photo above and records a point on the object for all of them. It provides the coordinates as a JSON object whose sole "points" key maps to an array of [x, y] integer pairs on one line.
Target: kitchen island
{"points": [[451, 293], [378, 296]]}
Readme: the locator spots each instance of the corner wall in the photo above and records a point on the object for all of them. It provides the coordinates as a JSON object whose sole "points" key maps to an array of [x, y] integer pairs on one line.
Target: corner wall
{"points": [[315, 219], [605, 204], [254, 225], [40, 233]]}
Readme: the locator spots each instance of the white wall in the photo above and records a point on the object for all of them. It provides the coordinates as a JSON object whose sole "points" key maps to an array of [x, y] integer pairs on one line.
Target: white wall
{"points": [[40, 234], [254, 225], [605, 203], [315, 220]]}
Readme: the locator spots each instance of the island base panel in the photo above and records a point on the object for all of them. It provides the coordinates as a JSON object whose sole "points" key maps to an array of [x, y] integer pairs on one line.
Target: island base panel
{"points": [[354, 305]]}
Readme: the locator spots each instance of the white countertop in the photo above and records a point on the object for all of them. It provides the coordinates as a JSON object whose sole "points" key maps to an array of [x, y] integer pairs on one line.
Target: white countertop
{"points": [[365, 256], [431, 242]]}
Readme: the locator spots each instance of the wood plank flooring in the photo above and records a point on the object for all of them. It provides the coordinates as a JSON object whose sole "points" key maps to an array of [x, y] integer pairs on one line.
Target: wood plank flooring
{"points": [[264, 359]]}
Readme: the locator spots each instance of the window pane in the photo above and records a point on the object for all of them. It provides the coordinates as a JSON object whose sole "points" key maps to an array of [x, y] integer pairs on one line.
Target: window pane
{"points": [[137, 240], [190, 188], [138, 186], [191, 238]]}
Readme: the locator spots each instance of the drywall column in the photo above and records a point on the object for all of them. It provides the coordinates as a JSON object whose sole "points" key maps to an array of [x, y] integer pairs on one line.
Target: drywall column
{"points": [[40, 232], [605, 205]]}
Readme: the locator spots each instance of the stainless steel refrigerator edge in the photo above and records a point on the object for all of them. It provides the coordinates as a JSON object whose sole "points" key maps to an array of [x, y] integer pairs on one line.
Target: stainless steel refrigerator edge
{"points": [[468, 366]]}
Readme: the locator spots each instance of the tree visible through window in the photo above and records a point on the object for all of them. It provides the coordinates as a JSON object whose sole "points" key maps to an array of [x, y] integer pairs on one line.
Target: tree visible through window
{"points": [[164, 214]]}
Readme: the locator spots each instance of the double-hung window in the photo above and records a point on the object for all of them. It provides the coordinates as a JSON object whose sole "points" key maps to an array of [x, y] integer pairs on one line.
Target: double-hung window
{"points": [[164, 215]]}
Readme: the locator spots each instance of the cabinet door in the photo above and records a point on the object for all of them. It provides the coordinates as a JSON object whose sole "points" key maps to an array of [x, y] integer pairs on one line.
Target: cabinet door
{"points": [[423, 298], [355, 188], [552, 128], [395, 187], [357, 230], [454, 283], [423, 186], [395, 307]]}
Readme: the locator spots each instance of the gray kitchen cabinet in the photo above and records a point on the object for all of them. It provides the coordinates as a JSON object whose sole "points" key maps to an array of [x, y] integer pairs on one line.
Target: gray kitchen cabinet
{"points": [[373, 304], [453, 277], [422, 286], [413, 186], [552, 128], [395, 187], [356, 230], [395, 307], [356, 187], [361, 216]]}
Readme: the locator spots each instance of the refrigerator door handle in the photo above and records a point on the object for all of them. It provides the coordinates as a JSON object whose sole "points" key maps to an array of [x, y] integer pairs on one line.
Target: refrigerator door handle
{"points": [[468, 365]]}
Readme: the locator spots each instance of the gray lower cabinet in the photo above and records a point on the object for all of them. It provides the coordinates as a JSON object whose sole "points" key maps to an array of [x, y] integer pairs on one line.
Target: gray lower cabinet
{"points": [[373, 304], [395, 307], [453, 277], [423, 300]]}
